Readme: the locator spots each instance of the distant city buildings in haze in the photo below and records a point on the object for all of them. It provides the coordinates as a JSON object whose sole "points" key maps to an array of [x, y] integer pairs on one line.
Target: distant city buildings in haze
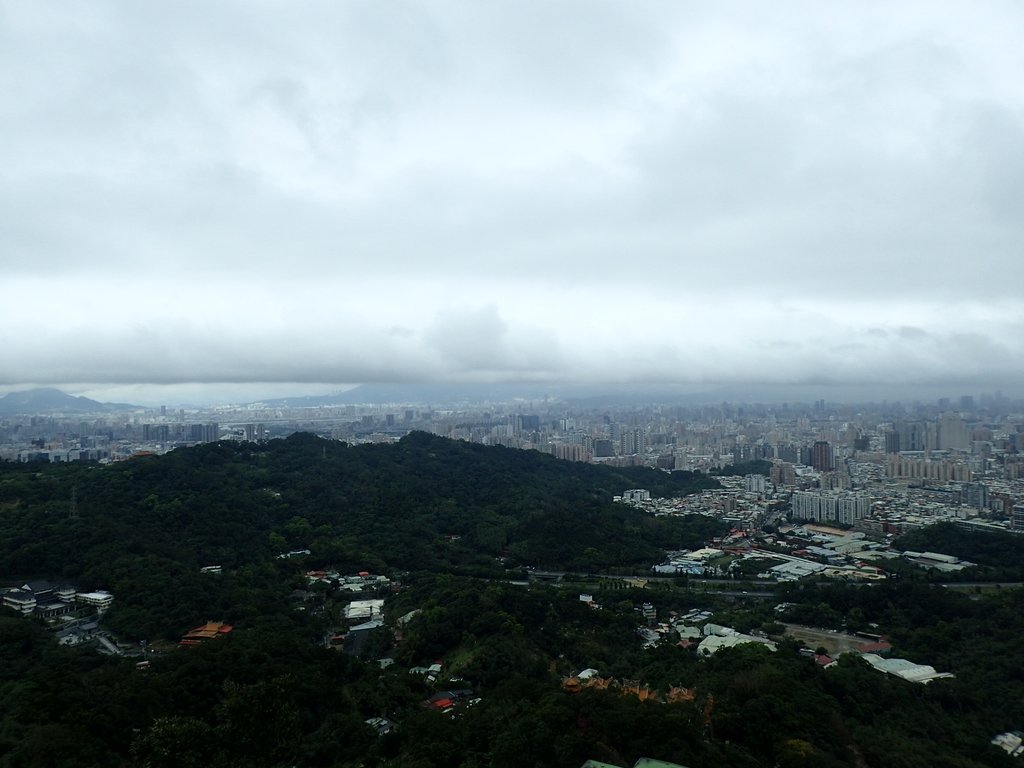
{"points": [[879, 467]]}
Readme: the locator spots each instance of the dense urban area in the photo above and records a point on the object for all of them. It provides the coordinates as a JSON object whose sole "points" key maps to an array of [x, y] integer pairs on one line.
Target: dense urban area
{"points": [[880, 468]]}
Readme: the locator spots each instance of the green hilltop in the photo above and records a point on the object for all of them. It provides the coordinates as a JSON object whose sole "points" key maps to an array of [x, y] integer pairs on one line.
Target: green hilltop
{"points": [[424, 503]]}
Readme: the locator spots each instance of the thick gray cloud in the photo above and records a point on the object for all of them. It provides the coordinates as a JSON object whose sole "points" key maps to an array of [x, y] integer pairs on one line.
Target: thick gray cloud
{"points": [[344, 192]]}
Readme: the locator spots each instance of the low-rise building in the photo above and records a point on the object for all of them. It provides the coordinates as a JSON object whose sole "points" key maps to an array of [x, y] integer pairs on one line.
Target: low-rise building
{"points": [[906, 670], [364, 610], [100, 599], [1011, 742], [204, 632], [21, 600]]}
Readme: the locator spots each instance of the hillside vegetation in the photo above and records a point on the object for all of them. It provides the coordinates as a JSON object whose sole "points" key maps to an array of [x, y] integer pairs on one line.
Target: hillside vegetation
{"points": [[147, 526], [456, 517]]}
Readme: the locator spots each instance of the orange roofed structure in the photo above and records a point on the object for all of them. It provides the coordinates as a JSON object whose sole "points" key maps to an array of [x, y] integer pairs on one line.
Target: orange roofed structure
{"points": [[204, 632]]}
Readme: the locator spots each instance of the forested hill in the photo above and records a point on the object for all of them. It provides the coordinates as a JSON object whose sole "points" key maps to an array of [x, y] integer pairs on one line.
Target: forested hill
{"points": [[424, 503], [270, 694]]}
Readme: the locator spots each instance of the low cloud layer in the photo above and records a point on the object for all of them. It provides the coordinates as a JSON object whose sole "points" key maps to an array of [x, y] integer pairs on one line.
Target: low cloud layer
{"points": [[511, 192]]}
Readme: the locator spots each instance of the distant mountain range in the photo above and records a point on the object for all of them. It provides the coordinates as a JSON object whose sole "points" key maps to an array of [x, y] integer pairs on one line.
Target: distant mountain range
{"points": [[441, 395], [535, 395], [51, 400], [416, 394]]}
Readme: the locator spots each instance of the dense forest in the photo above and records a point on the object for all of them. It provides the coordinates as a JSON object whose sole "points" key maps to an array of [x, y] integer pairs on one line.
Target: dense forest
{"points": [[146, 526], [752, 467], [997, 555], [455, 523], [267, 696]]}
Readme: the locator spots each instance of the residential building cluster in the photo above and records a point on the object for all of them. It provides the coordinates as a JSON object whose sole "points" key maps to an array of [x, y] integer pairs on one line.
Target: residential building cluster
{"points": [[696, 633], [797, 551], [103, 438]]}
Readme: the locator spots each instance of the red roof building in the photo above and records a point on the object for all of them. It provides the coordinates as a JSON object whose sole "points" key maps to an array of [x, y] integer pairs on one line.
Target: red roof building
{"points": [[204, 632], [879, 647]]}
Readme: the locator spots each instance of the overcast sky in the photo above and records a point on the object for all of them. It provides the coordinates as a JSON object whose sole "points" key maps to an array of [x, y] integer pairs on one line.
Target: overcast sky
{"points": [[270, 196]]}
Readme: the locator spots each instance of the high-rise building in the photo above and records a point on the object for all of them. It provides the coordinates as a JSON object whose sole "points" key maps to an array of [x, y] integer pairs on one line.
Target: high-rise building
{"points": [[821, 456], [783, 473], [1018, 517], [892, 441], [904, 467], [529, 422], [953, 433], [974, 495], [840, 506], [787, 452], [755, 483], [632, 441], [834, 481], [570, 452], [916, 435]]}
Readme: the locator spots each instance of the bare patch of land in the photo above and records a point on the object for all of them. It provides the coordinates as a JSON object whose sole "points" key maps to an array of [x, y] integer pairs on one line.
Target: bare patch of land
{"points": [[834, 642]]}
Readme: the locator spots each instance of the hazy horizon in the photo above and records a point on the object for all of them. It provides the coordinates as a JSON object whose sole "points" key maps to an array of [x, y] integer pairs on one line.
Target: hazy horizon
{"points": [[175, 396]]}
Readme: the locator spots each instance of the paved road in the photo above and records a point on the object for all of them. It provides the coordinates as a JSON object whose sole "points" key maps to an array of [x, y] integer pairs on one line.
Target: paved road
{"points": [[983, 584], [759, 584], [761, 589]]}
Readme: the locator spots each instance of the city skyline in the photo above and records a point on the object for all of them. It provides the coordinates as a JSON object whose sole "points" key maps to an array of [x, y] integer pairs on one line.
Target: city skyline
{"points": [[247, 202]]}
